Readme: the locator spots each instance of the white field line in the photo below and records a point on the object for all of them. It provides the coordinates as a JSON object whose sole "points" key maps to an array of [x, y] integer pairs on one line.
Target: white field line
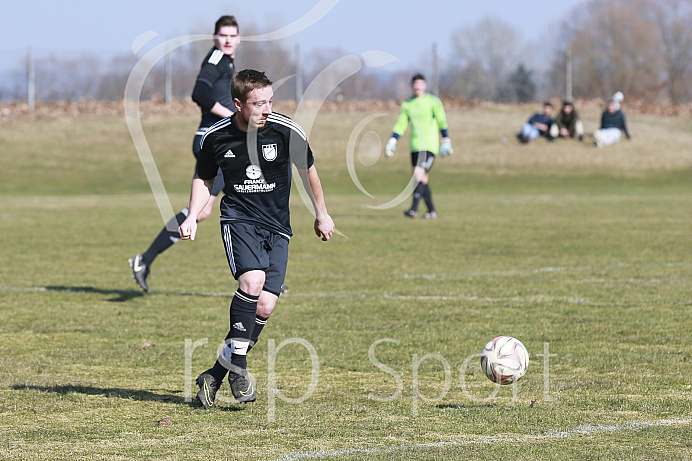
{"points": [[541, 270], [585, 430], [313, 295], [385, 295]]}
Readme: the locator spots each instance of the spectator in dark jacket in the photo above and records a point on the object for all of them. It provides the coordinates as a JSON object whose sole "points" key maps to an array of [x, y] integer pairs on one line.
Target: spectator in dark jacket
{"points": [[612, 125], [568, 122], [538, 124]]}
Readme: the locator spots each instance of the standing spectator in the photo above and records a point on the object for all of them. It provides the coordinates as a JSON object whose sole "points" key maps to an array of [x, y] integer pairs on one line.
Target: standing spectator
{"points": [[426, 115], [612, 125], [539, 124], [569, 123]]}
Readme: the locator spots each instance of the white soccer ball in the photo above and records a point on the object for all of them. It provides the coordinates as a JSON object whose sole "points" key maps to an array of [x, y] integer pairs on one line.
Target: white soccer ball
{"points": [[504, 360]]}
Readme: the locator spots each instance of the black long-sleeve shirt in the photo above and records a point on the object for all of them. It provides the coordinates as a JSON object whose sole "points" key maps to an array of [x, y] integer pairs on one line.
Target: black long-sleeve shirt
{"points": [[213, 85]]}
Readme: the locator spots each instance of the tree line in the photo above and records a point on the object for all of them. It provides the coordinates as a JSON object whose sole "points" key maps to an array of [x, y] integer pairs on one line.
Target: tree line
{"points": [[640, 47]]}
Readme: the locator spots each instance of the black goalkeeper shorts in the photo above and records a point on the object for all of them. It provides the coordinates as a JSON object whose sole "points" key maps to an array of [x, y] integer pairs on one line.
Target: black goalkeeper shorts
{"points": [[424, 159]]}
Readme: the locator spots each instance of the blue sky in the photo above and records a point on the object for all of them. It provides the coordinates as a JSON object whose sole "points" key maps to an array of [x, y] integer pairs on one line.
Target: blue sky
{"points": [[403, 29]]}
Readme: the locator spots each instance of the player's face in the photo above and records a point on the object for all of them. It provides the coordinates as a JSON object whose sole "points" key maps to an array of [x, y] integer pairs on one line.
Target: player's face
{"points": [[419, 87], [567, 110], [227, 40], [258, 106], [547, 110]]}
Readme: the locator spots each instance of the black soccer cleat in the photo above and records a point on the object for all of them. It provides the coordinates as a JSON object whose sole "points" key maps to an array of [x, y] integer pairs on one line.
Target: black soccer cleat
{"points": [[410, 214], [241, 384], [207, 389], [140, 271]]}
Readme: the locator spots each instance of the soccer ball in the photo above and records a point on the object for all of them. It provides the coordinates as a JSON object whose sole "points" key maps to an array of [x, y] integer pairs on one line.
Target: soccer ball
{"points": [[504, 360]]}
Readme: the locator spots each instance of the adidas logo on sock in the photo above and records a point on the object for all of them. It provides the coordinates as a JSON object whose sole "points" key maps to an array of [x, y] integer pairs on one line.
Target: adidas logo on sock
{"points": [[239, 326]]}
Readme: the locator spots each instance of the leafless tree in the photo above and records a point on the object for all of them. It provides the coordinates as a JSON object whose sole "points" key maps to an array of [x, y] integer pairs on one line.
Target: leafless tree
{"points": [[274, 57], [614, 48], [484, 55], [674, 21], [68, 79]]}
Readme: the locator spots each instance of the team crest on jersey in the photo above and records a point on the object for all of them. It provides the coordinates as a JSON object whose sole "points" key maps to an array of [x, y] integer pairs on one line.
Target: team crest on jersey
{"points": [[253, 172], [270, 151]]}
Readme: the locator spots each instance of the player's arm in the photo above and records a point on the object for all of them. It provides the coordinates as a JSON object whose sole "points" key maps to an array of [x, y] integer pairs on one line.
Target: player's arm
{"points": [[398, 130], [441, 118], [199, 196], [202, 94], [324, 225]]}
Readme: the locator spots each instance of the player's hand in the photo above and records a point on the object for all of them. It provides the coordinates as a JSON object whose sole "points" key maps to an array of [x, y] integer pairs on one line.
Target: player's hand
{"points": [[324, 227], [446, 147], [188, 229], [390, 147]]}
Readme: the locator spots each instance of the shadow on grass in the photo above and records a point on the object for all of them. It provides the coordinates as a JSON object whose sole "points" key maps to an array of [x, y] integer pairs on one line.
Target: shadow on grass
{"points": [[120, 295], [126, 295], [142, 395]]}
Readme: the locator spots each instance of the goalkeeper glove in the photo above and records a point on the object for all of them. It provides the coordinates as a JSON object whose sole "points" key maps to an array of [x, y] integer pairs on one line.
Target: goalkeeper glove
{"points": [[390, 147], [446, 147]]}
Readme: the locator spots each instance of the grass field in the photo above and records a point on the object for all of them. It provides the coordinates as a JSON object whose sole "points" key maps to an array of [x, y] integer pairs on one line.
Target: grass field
{"points": [[582, 253]]}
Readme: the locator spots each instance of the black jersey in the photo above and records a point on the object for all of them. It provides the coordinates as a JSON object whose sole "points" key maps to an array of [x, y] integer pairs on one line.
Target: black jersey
{"points": [[214, 85], [256, 167]]}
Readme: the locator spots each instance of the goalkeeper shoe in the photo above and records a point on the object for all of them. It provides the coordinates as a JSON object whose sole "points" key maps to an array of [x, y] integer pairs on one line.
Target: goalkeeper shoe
{"points": [[207, 389], [410, 214], [241, 384], [140, 271]]}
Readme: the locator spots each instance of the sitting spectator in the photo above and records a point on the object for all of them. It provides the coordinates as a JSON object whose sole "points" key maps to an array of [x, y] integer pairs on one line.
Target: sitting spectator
{"points": [[539, 124], [612, 125], [568, 123]]}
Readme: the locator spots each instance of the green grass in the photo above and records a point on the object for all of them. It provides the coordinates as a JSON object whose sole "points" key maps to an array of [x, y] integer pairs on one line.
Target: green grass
{"points": [[565, 246]]}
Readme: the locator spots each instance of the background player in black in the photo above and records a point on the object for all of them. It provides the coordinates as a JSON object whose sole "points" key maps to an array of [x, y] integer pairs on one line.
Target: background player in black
{"points": [[212, 93], [255, 149]]}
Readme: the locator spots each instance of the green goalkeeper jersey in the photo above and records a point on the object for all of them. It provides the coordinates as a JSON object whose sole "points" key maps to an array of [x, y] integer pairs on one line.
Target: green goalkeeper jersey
{"points": [[427, 118]]}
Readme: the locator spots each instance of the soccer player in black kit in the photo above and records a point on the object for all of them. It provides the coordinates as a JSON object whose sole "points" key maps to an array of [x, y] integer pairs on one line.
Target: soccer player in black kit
{"points": [[255, 149], [212, 92]]}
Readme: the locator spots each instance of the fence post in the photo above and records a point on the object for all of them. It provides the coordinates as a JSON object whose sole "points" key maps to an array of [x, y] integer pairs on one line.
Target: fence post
{"points": [[168, 97], [568, 74], [299, 75], [30, 80], [436, 71]]}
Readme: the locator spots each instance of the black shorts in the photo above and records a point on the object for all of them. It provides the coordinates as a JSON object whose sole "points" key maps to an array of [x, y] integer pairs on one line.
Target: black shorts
{"points": [[250, 247], [423, 159], [219, 183]]}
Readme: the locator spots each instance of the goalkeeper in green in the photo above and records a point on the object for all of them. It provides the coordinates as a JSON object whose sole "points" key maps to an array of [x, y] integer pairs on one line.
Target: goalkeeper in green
{"points": [[426, 115]]}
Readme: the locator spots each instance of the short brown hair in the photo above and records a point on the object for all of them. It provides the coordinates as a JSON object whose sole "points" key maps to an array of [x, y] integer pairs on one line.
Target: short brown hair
{"points": [[247, 80], [417, 77], [224, 21]]}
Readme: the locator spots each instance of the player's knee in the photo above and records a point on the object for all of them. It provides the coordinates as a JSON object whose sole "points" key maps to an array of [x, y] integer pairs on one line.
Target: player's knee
{"points": [[265, 309], [266, 304], [252, 282]]}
